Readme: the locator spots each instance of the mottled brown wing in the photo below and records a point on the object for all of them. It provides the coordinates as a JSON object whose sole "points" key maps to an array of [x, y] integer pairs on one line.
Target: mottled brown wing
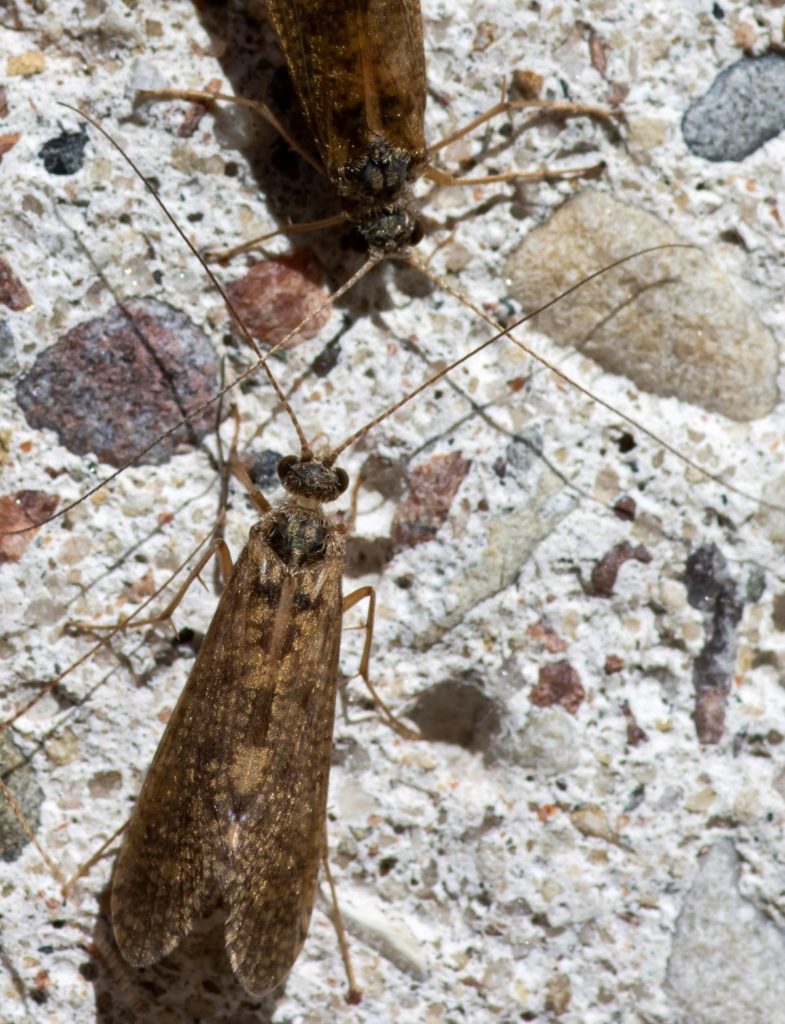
{"points": [[233, 805], [359, 70]]}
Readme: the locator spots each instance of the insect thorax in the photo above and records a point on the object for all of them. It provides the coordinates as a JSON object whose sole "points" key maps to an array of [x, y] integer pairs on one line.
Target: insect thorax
{"points": [[377, 193], [299, 536], [296, 529]]}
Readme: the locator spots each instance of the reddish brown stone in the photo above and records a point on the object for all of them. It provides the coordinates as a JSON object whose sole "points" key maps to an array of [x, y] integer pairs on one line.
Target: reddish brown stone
{"points": [[613, 664], [7, 142], [276, 295], [426, 504], [12, 292], [527, 83], [558, 683], [22, 511], [635, 735], [604, 573], [114, 384], [625, 508], [549, 639]]}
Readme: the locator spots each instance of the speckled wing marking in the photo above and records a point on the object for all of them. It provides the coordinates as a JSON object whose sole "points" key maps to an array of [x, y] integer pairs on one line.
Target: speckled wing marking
{"points": [[233, 806], [359, 70]]}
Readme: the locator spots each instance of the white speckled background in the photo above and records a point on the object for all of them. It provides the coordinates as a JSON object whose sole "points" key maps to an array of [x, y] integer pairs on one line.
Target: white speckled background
{"points": [[495, 905]]}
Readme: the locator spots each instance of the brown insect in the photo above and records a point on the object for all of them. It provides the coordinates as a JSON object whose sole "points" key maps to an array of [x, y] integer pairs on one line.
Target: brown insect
{"points": [[233, 807], [491, 637], [359, 73]]}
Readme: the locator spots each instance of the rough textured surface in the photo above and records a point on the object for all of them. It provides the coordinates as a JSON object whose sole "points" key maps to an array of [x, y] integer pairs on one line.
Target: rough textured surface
{"points": [[743, 109], [529, 862], [670, 321], [726, 953]]}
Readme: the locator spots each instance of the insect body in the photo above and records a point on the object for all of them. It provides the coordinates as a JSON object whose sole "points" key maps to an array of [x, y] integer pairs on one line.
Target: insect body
{"points": [[233, 807], [359, 73]]}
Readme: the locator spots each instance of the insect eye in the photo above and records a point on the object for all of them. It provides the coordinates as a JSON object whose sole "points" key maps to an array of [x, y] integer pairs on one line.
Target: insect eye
{"points": [[285, 466], [343, 479]]}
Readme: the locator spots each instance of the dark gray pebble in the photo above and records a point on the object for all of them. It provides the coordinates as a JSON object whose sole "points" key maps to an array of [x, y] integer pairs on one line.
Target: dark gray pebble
{"points": [[744, 108]]}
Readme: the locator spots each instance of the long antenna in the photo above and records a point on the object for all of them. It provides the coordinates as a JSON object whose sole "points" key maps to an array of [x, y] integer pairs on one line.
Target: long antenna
{"points": [[261, 359]]}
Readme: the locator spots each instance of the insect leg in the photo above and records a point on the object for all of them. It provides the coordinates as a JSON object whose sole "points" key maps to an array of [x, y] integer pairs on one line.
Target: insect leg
{"points": [[505, 106], [354, 993], [217, 547], [440, 177], [209, 97], [364, 670]]}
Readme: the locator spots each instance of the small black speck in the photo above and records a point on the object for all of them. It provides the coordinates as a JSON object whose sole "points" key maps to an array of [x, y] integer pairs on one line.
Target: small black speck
{"points": [[231, 169], [65, 153], [89, 970], [38, 995], [194, 218], [718, 12], [59, 923], [625, 442], [386, 864], [158, 276], [124, 218], [46, 950], [326, 360]]}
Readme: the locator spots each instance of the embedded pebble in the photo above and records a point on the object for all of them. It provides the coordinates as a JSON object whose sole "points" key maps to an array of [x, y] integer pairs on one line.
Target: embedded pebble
{"points": [[558, 683], [669, 320], [13, 293], [547, 744], [21, 511], [592, 821], [512, 534], [725, 952], [64, 154], [426, 504], [23, 65], [743, 109], [389, 934], [712, 590], [112, 385], [18, 775], [275, 295], [605, 571]]}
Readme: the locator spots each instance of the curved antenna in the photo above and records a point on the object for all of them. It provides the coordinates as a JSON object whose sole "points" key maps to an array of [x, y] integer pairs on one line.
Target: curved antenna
{"points": [[500, 333], [261, 359], [636, 424], [548, 365], [261, 362]]}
